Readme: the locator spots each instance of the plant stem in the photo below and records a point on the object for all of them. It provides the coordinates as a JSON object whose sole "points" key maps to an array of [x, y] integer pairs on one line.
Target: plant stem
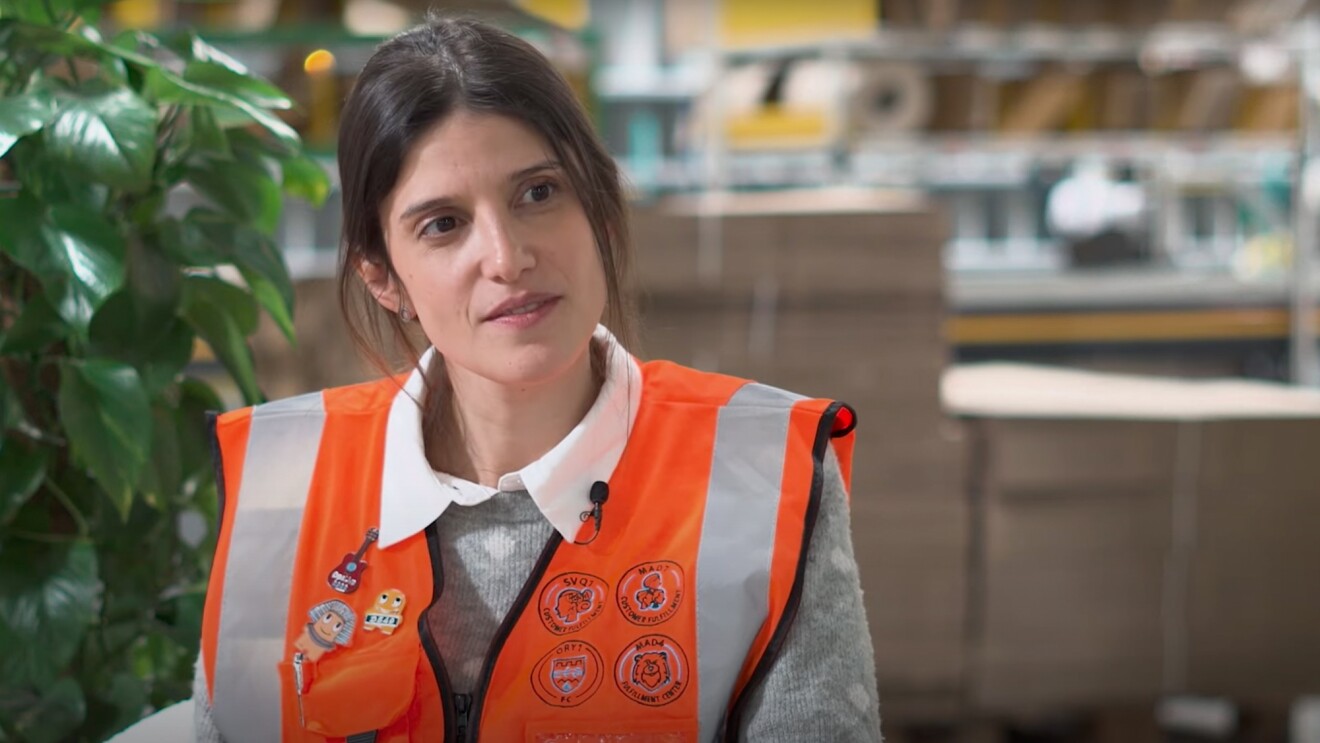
{"points": [[73, 71], [29, 407], [38, 435], [33, 536], [67, 502], [168, 128], [54, 20]]}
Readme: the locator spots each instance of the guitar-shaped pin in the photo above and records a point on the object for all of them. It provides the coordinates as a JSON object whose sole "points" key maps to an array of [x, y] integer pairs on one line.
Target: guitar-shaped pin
{"points": [[348, 575]]}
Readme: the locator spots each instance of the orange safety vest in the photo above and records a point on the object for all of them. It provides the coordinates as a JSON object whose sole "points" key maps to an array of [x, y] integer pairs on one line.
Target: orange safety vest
{"points": [[656, 630]]}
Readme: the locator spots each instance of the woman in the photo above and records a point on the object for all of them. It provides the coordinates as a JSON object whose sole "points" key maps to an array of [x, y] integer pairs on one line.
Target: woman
{"points": [[531, 536]]}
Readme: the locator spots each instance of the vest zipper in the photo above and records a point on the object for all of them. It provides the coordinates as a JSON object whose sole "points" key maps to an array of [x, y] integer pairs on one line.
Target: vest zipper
{"points": [[506, 629], [428, 644], [462, 703], [298, 682], [824, 431]]}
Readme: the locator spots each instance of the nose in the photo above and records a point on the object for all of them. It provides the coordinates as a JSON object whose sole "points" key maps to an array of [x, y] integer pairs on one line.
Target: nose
{"points": [[507, 256]]}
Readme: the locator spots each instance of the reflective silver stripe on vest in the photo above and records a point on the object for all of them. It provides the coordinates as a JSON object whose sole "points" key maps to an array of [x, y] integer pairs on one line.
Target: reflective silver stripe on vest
{"points": [[738, 541], [277, 472]]}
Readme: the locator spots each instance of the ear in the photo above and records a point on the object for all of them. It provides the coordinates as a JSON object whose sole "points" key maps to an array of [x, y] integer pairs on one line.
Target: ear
{"points": [[381, 283]]}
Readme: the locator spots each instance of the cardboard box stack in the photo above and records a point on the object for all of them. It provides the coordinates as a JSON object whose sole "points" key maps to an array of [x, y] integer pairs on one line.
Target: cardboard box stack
{"points": [[1137, 537], [839, 294], [1253, 605]]}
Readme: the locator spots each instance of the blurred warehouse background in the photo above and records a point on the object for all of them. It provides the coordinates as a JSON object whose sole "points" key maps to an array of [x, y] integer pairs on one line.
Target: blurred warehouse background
{"points": [[1062, 254]]}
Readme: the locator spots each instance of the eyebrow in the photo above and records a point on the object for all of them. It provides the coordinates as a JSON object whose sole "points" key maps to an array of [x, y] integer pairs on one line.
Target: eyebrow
{"points": [[441, 201]]}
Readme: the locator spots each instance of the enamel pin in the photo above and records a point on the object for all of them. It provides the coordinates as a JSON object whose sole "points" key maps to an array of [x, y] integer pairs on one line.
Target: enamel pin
{"points": [[330, 625], [387, 613], [347, 576]]}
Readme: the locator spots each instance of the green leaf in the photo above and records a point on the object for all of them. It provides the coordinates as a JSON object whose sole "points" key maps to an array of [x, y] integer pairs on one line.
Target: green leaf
{"points": [[22, 115], [129, 41], [275, 297], [199, 397], [157, 286], [56, 716], [52, 595], [128, 695], [244, 190], [86, 255], [39, 11], [85, 41], [50, 180], [76, 254], [224, 316], [162, 481], [196, 400], [157, 342], [111, 136], [207, 136], [107, 416], [169, 357], [185, 242], [259, 260], [262, 266], [28, 10], [254, 90], [21, 237], [305, 178], [191, 47], [35, 329], [165, 87], [22, 470], [158, 355]]}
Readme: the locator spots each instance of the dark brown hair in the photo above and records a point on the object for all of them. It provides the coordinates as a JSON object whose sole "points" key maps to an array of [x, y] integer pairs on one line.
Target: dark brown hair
{"points": [[412, 83]]}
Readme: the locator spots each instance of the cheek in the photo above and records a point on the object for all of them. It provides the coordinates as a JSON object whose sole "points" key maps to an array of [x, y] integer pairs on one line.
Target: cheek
{"points": [[589, 262]]}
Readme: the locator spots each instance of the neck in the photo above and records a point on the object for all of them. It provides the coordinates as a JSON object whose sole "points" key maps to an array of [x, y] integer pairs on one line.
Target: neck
{"points": [[503, 428]]}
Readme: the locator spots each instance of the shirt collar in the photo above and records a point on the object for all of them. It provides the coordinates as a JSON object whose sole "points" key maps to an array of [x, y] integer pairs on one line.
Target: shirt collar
{"points": [[413, 495]]}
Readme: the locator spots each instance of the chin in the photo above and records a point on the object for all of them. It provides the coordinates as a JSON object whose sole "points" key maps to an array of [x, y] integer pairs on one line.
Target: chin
{"points": [[527, 366]]}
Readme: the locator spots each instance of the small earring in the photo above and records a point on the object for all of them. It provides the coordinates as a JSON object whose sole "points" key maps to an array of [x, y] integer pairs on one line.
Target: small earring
{"points": [[405, 314]]}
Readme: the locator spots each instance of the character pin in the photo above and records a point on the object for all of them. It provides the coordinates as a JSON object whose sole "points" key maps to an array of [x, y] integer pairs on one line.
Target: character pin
{"points": [[331, 625], [347, 576], [387, 613]]}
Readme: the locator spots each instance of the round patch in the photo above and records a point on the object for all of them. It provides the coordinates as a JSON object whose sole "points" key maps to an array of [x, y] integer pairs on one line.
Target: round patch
{"points": [[652, 670], [650, 593], [568, 675], [571, 601]]}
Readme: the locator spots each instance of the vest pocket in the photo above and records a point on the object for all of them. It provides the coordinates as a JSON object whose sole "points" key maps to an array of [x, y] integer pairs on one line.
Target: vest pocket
{"points": [[349, 693]]}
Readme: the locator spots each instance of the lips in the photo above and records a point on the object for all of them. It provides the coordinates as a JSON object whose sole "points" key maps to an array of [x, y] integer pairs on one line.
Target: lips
{"points": [[520, 305]]}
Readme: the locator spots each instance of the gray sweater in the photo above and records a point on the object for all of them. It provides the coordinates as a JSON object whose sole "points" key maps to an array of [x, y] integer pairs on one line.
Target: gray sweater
{"points": [[822, 687]]}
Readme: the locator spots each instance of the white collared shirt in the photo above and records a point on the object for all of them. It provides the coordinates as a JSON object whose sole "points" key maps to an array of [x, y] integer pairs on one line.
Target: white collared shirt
{"points": [[413, 495]]}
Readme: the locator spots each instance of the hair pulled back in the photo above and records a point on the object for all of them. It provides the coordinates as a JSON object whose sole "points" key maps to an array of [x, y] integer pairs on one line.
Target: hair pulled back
{"points": [[412, 83]]}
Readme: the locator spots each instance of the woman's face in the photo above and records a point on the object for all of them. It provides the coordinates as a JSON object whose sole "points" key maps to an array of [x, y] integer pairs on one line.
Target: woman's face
{"points": [[494, 251]]}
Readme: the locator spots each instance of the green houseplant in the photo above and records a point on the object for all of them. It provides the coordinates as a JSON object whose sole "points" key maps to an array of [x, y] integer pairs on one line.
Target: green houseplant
{"points": [[141, 180]]}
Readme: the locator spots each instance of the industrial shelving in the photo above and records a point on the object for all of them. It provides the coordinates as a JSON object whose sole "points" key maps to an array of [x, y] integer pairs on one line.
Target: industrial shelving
{"points": [[994, 185], [1208, 192]]}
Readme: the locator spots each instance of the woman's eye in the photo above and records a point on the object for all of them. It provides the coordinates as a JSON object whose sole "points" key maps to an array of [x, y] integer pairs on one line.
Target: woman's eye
{"points": [[538, 193], [439, 226]]}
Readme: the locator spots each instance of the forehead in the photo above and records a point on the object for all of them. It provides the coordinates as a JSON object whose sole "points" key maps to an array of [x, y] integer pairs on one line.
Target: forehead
{"points": [[463, 152]]}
